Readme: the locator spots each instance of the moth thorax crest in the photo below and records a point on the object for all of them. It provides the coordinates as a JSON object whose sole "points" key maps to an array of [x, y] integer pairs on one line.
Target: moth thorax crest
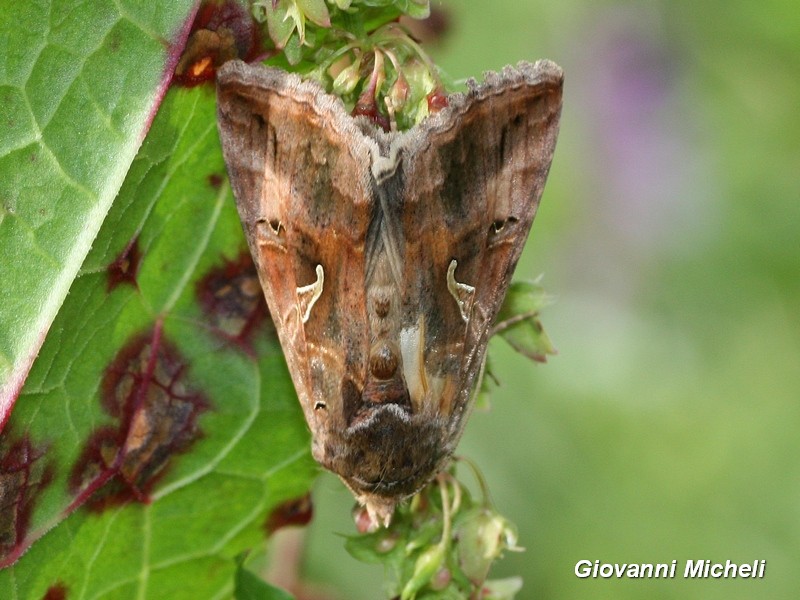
{"points": [[380, 306]]}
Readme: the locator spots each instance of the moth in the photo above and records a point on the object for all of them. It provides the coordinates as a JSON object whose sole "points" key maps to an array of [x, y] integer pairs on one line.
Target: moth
{"points": [[385, 257]]}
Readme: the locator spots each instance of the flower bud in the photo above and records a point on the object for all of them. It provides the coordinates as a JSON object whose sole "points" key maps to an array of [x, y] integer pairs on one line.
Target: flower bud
{"points": [[425, 568], [398, 94], [347, 79], [363, 520], [367, 107], [437, 100], [481, 539]]}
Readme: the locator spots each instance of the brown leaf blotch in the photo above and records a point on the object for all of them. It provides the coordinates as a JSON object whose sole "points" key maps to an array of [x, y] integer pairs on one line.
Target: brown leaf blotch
{"points": [[23, 475], [232, 300], [297, 511], [145, 390], [57, 591], [125, 267], [215, 180], [221, 32]]}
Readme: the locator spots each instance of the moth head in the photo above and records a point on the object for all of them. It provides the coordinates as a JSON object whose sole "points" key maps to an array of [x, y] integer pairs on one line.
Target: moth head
{"points": [[386, 454]]}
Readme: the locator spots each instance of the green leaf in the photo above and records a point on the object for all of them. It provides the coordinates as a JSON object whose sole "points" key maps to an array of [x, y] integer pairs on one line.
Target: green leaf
{"points": [[502, 589], [316, 11], [518, 324], [381, 546], [210, 441], [250, 586], [293, 50], [417, 9], [79, 82], [279, 23]]}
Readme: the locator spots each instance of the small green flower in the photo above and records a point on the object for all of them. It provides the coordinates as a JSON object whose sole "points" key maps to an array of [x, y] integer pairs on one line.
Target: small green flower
{"points": [[347, 79], [482, 537], [426, 566]]}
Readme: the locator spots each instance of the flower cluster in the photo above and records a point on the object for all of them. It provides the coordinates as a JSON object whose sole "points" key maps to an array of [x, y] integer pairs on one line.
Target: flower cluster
{"points": [[358, 50], [440, 545]]}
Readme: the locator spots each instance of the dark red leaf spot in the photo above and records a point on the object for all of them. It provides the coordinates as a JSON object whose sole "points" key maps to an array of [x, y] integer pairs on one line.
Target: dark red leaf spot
{"points": [[146, 392], [221, 32], [125, 267], [57, 591], [23, 475], [232, 299], [215, 180], [294, 512]]}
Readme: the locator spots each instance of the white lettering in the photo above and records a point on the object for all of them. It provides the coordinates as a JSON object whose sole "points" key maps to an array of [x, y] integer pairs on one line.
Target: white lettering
{"points": [[645, 570], [697, 569], [694, 568], [730, 565], [583, 568], [663, 569], [606, 570]]}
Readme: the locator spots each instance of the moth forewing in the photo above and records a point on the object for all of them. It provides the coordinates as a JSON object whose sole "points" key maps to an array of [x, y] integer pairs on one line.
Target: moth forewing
{"points": [[478, 173], [300, 173], [385, 257]]}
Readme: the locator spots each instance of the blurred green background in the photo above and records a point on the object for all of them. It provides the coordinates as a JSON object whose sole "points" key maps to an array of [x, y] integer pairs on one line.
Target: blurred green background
{"points": [[665, 428]]}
